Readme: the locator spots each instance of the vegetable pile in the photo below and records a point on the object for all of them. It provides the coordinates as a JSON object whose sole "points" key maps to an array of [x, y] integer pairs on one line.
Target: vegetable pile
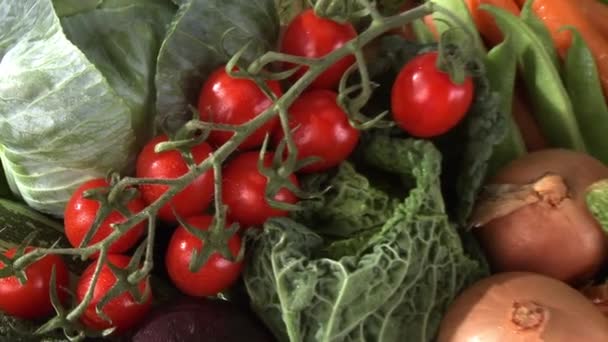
{"points": [[321, 170]]}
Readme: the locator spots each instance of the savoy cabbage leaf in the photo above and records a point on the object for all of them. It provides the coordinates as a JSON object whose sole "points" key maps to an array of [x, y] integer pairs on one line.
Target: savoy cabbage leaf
{"points": [[393, 286]]}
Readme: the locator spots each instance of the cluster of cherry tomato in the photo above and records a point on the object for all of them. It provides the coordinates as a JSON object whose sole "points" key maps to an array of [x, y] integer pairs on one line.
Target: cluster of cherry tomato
{"points": [[425, 103]]}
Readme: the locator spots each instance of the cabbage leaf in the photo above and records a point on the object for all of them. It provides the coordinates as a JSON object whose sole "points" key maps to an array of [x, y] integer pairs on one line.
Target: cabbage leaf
{"points": [[392, 285], [74, 107]]}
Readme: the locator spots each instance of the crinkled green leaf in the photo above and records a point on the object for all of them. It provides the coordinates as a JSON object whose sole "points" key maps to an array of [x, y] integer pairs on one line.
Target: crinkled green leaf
{"points": [[395, 288], [193, 47], [61, 119], [483, 128], [349, 206], [597, 202], [466, 149]]}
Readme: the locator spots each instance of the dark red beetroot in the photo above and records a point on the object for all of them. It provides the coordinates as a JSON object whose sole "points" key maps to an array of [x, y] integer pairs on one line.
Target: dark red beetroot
{"points": [[192, 319], [533, 216]]}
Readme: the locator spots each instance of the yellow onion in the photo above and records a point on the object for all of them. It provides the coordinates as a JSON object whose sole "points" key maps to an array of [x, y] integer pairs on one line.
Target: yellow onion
{"points": [[522, 307], [532, 217]]}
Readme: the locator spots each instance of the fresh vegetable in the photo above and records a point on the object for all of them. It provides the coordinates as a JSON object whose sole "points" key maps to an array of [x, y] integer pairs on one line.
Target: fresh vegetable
{"points": [[171, 164], [541, 32], [411, 267], [551, 105], [585, 91], [518, 307], [426, 101], [202, 37], [311, 36], [457, 16], [76, 93], [31, 300], [420, 196], [123, 311], [81, 212], [332, 215], [321, 129], [217, 274], [596, 199], [231, 101], [557, 14], [188, 319], [485, 22], [501, 68], [535, 205], [244, 191], [596, 13]]}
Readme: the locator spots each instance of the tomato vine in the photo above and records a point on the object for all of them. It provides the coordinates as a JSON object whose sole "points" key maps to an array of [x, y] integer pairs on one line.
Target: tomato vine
{"points": [[352, 98]]}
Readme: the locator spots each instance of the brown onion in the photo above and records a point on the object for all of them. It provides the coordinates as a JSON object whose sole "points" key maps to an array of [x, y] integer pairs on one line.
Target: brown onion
{"points": [[533, 216], [522, 307]]}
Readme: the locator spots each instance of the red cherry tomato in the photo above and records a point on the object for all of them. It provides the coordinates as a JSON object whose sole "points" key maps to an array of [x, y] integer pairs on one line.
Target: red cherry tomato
{"points": [[425, 101], [32, 299], [123, 311], [194, 199], [234, 101], [308, 35], [243, 191], [321, 129], [80, 214], [216, 275]]}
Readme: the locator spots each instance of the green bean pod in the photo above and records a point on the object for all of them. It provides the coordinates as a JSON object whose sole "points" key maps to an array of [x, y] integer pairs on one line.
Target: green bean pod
{"points": [[551, 103], [459, 17], [501, 68], [528, 16], [422, 33], [585, 90]]}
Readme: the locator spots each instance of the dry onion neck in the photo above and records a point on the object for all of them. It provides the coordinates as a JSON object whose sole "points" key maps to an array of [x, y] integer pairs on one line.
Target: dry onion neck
{"points": [[498, 200]]}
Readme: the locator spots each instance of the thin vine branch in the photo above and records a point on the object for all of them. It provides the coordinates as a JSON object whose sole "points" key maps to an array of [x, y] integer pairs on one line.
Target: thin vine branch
{"points": [[258, 73]]}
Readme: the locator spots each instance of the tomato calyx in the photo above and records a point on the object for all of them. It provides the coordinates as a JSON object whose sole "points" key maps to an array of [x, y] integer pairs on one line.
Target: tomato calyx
{"points": [[340, 11], [72, 329], [456, 56], [17, 269], [214, 240], [111, 198], [278, 173], [353, 106], [125, 282]]}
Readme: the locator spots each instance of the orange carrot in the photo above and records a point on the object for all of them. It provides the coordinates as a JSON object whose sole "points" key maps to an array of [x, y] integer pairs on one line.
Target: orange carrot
{"points": [[428, 20], [556, 14], [485, 22], [597, 13]]}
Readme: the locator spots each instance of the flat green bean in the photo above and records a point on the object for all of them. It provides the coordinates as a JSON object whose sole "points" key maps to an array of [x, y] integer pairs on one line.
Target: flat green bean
{"points": [[585, 90], [551, 104]]}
